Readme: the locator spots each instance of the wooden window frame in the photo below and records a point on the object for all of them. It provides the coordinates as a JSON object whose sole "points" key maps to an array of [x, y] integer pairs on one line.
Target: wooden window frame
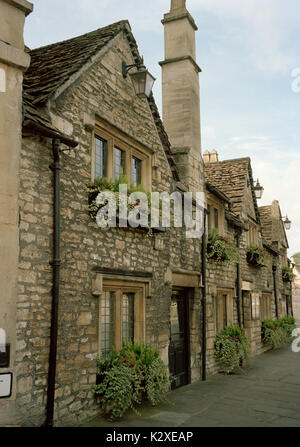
{"points": [[265, 306], [117, 139], [252, 234], [213, 205], [141, 291], [219, 302]]}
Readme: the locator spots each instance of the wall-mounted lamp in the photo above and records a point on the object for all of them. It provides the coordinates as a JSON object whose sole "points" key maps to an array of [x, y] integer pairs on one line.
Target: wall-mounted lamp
{"points": [[142, 80], [287, 223], [258, 190]]}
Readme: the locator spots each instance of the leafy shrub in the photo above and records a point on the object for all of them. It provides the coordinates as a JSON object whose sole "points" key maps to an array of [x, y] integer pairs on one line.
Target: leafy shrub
{"points": [[134, 374], [231, 347], [221, 248], [287, 274], [276, 333], [256, 255]]}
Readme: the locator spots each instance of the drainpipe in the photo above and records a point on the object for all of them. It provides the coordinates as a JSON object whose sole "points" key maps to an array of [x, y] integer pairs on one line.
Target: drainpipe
{"points": [[203, 255], [274, 269], [55, 167], [238, 282]]}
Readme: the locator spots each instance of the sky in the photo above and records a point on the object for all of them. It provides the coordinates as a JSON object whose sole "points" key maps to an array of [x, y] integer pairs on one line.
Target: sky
{"points": [[249, 54]]}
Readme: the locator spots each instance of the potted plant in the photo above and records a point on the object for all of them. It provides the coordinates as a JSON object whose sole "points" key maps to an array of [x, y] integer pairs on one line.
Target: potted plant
{"points": [[231, 348], [221, 248], [256, 255]]}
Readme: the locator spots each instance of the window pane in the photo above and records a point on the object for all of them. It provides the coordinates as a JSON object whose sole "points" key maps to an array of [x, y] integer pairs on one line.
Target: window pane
{"points": [[216, 214], [127, 317], [119, 163], [225, 320], [107, 311], [100, 157], [136, 170], [209, 217]]}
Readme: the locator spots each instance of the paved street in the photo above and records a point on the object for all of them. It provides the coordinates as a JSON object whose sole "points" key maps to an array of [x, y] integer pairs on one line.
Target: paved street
{"points": [[267, 394]]}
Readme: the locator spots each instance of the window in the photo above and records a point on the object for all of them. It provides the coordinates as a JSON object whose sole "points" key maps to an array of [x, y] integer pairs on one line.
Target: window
{"points": [[136, 171], [114, 153], [121, 314], [208, 217], [265, 306], [223, 310], [255, 306], [100, 157], [216, 218], [119, 163], [252, 234]]}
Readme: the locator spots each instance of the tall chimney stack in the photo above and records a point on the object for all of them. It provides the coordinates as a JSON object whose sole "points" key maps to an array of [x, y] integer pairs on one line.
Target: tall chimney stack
{"points": [[180, 94]]}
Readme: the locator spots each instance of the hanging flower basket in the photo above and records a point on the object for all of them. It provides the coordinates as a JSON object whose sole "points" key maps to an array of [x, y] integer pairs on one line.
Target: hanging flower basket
{"points": [[221, 249]]}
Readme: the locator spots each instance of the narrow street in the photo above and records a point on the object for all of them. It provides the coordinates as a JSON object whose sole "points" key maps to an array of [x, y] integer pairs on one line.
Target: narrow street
{"points": [[267, 394]]}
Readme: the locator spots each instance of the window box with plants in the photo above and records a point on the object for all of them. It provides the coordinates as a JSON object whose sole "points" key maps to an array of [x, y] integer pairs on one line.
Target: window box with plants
{"points": [[104, 184], [278, 332], [129, 377], [287, 274], [256, 255], [231, 348], [221, 248]]}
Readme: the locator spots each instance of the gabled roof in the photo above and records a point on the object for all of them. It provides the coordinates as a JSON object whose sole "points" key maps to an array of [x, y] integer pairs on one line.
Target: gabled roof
{"points": [[230, 177], [52, 65], [272, 227], [266, 222]]}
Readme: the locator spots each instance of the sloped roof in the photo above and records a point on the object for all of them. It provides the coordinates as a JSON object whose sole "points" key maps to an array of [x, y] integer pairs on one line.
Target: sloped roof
{"points": [[230, 177], [53, 65], [266, 222]]}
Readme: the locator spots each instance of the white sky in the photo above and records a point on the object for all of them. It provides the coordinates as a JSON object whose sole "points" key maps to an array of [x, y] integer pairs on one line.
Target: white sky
{"points": [[247, 51]]}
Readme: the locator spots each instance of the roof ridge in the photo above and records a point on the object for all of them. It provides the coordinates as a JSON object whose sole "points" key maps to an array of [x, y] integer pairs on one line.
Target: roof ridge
{"points": [[120, 22]]}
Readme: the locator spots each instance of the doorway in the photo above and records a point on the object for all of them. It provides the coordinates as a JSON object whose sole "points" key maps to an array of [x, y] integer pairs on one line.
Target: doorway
{"points": [[179, 356]]}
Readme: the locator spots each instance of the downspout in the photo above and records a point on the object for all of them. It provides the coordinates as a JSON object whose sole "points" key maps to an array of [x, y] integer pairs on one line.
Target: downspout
{"points": [[203, 302], [238, 282], [274, 269], [55, 167]]}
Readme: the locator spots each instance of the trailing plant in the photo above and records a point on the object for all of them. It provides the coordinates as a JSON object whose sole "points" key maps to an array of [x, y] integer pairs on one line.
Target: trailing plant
{"points": [[231, 347], [221, 248], [287, 274], [256, 255], [128, 377], [278, 332], [104, 184]]}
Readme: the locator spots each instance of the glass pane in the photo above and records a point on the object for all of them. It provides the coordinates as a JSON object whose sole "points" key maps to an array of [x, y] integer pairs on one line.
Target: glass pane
{"points": [[100, 157], [128, 317], [136, 169], [225, 319], [107, 312], [216, 214], [119, 163]]}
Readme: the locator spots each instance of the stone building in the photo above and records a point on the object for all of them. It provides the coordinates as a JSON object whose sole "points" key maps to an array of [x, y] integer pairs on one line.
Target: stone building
{"points": [[72, 289], [242, 293], [83, 119], [296, 292], [13, 62]]}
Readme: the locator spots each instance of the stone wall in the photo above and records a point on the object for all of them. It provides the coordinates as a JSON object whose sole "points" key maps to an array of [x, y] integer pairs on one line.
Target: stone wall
{"points": [[100, 91]]}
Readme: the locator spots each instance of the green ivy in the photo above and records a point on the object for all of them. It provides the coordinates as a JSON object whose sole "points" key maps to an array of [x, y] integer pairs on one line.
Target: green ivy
{"points": [[130, 376], [278, 332], [231, 347], [221, 249]]}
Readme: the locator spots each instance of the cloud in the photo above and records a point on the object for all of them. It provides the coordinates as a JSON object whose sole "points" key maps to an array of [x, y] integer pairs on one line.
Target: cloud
{"points": [[266, 25]]}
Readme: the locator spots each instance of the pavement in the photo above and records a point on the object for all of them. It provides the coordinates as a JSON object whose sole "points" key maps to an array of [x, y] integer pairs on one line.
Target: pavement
{"points": [[265, 394]]}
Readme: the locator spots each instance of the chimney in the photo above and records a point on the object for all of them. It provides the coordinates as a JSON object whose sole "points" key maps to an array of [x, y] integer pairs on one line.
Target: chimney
{"points": [[206, 157], [180, 93], [214, 156]]}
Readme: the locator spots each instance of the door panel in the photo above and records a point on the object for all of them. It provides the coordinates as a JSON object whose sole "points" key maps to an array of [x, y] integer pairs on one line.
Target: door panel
{"points": [[178, 350]]}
